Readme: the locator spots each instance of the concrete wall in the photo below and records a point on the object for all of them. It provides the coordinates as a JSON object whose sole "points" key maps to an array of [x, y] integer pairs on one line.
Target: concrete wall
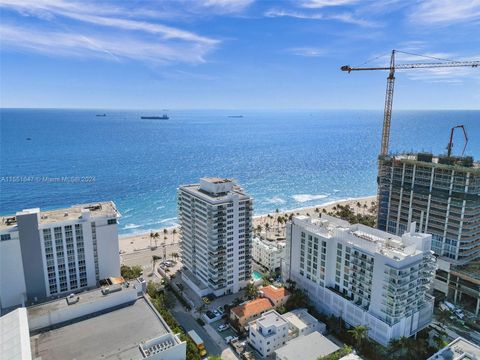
{"points": [[176, 352], [31, 254], [12, 282], [40, 316], [108, 250]]}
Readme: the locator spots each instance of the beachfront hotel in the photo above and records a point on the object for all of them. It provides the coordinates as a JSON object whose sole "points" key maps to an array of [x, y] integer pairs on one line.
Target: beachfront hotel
{"points": [[47, 254], [364, 275], [441, 194], [216, 236]]}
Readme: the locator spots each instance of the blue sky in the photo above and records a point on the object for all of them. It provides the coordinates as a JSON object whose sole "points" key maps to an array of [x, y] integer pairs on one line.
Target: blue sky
{"points": [[234, 53]]}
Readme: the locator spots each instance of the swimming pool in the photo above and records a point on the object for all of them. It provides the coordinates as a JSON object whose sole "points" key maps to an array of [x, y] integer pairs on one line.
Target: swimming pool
{"points": [[256, 276]]}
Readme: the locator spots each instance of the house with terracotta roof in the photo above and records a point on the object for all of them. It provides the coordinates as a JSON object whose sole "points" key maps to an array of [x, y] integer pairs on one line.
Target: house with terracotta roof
{"points": [[278, 296], [250, 310]]}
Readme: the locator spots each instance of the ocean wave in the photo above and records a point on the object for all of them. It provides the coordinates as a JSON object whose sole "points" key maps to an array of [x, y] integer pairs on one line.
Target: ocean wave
{"points": [[127, 211], [308, 197], [160, 207], [276, 200], [171, 220], [131, 226]]}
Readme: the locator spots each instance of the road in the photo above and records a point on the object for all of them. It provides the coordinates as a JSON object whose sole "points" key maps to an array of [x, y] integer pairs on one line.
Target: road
{"points": [[188, 322]]}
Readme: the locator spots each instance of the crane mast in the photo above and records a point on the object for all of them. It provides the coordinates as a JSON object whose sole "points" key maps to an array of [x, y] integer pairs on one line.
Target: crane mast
{"points": [[387, 116], [387, 113]]}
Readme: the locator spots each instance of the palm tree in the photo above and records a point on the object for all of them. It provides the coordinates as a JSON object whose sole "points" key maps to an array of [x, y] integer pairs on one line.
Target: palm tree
{"points": [[251, 290], [444, 316], [174, 232], [267, 227], [259, 229], [359, 334], [151, 237], [174, 255]]}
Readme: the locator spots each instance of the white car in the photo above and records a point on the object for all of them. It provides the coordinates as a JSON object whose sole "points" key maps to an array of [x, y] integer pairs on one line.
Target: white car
{"points": [[222, 327], [229, 339]]}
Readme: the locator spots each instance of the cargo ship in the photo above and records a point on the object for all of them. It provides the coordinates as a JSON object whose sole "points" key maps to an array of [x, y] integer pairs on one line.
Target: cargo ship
{"points": [[163, 117]]}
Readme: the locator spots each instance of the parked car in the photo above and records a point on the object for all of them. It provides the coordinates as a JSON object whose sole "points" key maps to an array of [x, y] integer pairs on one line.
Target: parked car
{"points": [[229, 339], [221, 310], [206, 300], [217, 313], [222, 327]]}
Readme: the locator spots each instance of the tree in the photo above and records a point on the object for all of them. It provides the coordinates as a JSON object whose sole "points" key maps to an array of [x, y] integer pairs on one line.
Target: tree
{"points": [[267, 227], [444, 316], [174, 232], [129, 273], [174, 255], [359, 334], [259, 229], [251, 291]]}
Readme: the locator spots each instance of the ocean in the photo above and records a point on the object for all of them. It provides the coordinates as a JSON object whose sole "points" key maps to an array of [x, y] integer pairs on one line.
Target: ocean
{"points": [[52, 158]]}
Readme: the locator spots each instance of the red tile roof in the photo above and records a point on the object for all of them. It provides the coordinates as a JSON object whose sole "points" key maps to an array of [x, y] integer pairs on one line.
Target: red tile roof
{"points": [[252, 308], [274, 293]]}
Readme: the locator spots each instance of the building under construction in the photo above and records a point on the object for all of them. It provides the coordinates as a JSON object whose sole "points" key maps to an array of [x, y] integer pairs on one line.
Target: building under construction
{"points": [[442, 195]]}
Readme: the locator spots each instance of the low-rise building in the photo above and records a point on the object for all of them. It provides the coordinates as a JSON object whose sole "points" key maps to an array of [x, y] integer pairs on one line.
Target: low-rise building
{"points": [[301, 323], [250, 310], [268, 254], [309, 347], [14, 337], [268, 333], [112, 322], [364, 275], [458, 349], [277, 295]]}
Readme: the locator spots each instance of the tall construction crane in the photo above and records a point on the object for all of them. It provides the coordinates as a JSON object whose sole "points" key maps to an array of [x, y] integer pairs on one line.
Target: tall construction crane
{"points": [[387, 117]]}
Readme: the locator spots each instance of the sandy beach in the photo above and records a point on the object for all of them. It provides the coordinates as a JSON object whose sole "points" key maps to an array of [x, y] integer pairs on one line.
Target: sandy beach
{"points": [[170, 235]]}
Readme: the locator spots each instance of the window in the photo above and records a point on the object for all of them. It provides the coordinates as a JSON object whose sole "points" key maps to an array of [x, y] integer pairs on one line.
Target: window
{"points": [[111, 221], [5, 237]]}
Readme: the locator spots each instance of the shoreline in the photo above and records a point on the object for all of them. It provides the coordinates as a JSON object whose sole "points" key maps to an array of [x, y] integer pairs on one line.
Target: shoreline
{"points": [[140, 241], [254, 217]]}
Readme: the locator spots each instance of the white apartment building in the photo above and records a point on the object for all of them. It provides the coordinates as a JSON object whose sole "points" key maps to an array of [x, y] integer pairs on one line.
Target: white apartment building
{"points": [[216, 236], [268, 333], [364, 275], [301, 323], [268, 253], [46, 254]]}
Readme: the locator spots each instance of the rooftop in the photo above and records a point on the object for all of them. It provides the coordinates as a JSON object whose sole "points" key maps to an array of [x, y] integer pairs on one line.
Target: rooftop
{"points": [[311, 346], [367, 238], [215, 190], [86, 297], [113, 335], [465, 163], [252, 308], [101, 209], [274, 293], [300, 318], [458, 349], [269, 319]]}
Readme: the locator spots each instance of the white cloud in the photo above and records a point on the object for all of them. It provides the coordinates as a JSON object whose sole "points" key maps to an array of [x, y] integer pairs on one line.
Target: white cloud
{"points": [[97, 45], [446, 12], [307, 51], [227, 6], [317, 4], [114, 35], [342, 17]]}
